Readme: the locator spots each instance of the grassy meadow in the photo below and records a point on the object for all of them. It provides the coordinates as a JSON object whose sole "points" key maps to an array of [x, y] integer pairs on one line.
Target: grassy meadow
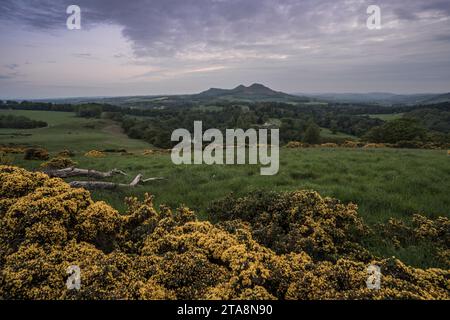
{"points": [[387, 116], [384, 183], [66, 131]]}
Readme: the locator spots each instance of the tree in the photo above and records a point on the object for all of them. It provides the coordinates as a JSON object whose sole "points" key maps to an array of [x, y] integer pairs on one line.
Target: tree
{"points": [[89, 111], [333, 127], [397, 130], [312, 134]]}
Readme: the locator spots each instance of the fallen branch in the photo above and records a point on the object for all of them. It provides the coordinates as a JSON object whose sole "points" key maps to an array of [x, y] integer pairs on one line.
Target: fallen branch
{"points": [[92, 185], [77, 172]]}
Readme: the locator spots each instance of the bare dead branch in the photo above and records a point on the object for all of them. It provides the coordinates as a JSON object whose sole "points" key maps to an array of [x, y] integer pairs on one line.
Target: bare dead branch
{"points": [[93, 185]]}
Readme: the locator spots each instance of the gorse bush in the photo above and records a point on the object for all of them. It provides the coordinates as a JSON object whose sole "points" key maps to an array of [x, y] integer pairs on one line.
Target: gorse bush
{"points": [[300, 221], [47, 226], [94, 154], [36, 154], [421, 230], [58, 163], [14, 150], [66, 153]]}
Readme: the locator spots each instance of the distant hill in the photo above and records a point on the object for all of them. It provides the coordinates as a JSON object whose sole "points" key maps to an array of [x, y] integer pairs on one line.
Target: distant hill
{"points": [[382, 98], [440, 98], [255, 92]]}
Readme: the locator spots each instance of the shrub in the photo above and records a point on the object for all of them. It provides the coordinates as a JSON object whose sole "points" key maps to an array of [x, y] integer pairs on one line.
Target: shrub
{"points": [[13, 150], [421, 230], [36, 154], [312, 134], [329, 145], [374, 145], [47, 226], [66, 153], [299, 221], [350, 144], [58, 163], [94, 154]]}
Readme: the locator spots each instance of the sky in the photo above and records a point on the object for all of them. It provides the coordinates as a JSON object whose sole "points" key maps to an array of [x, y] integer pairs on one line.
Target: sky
{"points": [[149, 47]]}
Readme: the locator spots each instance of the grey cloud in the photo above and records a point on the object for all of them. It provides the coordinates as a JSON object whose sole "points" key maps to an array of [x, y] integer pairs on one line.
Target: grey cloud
{"points": [[166, 27], [266, 39]]}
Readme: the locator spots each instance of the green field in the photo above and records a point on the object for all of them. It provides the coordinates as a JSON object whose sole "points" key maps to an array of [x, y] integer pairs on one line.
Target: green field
{"points": [[66, 131], [387, 116], [384, 183], [327, 133]]}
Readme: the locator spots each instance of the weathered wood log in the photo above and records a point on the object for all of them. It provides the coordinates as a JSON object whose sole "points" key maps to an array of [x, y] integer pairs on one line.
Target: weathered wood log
{"points": [[93, 185], [77, 172]]}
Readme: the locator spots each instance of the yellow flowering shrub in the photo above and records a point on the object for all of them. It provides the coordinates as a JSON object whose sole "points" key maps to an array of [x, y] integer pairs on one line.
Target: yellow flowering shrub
{"points": [[58, 163], [329, 145], [66, 153], [47, 226], [298, 221], [149, 152], [374, 145], [94, 154], [420, 230], [350, 144], [6, 149]]}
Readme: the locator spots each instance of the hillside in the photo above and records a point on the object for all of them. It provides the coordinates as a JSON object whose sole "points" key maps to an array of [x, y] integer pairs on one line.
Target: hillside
{"points": [[255, 92], [441, 98]]}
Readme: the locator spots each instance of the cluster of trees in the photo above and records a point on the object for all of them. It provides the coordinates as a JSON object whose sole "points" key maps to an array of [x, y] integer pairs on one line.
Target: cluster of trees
{"points": [[431, 118], [20, 122], [296, 123], [414, 129], [396, 130], [89, 111]]}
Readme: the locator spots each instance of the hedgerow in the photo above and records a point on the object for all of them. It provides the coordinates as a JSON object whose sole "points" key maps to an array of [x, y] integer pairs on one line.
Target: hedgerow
{"points": [[47, 226]]}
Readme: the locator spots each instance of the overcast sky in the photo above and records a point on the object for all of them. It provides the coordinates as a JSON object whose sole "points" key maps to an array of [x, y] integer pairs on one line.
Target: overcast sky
{"points": [[141, 47]]}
